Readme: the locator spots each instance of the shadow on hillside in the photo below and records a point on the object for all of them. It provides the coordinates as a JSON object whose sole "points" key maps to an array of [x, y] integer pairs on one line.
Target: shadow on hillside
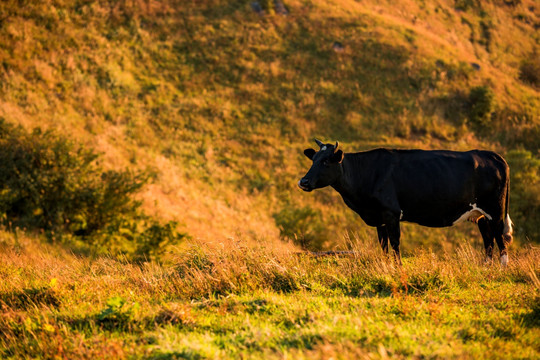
{"points": [[124, 318], [532, 318], [175, 355], [30, 298]]}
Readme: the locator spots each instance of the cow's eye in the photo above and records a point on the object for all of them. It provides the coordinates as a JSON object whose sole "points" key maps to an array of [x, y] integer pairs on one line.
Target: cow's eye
{"points": [[325, 163]]}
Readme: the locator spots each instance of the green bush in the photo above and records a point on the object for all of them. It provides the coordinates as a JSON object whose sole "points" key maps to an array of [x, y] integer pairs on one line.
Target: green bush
{"points": [[139, 237], [486, 28], [118, 314], [50, 184], [465, 5], [525, 193], [529, 71], [480, 106], [474, 107], [302, 225]]}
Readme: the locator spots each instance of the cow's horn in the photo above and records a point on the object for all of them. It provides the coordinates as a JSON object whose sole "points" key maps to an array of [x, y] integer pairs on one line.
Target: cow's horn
{"points": [[319, 142], [335, 147]]}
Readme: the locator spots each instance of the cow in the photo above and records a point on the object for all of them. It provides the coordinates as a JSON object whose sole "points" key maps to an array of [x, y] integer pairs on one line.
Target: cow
{"points": [[436, 188]]}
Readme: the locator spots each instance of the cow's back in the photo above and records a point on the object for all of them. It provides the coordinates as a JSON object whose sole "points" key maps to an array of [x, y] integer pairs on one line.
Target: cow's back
{"points": [[435, 187]]}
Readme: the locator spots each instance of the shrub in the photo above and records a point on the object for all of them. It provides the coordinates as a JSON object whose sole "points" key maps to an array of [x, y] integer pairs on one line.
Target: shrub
{"points": [[50, 184], [139, 237], [302, 225], [474, 107], [486, 27], [480, 106], [464, 5], [529, 71], [525, 193], [118, 314]]}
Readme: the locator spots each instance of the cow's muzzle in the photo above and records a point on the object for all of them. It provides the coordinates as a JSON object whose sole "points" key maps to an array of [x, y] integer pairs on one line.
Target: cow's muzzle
{"points": [[304, 185]]}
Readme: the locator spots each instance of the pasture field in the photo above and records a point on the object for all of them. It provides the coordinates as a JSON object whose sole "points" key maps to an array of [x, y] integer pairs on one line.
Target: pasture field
{"points": [[233, 301], [149, 155]]}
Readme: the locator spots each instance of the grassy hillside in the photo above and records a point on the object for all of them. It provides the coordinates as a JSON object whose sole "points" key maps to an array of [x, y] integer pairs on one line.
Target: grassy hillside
{"points": [[220, 100], [236, 302], [121, 119]]}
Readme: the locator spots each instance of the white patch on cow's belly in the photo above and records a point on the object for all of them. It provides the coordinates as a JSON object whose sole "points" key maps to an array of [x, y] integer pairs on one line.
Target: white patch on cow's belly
{"points": [[472, 215]]}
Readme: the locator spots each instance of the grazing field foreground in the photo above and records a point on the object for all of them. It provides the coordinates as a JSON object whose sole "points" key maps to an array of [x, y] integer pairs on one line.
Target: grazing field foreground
{"points": [[243, 302]]}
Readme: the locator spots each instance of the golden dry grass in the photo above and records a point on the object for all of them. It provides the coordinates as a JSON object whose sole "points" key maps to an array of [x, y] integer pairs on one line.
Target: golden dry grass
{"points": [[233, 300]]}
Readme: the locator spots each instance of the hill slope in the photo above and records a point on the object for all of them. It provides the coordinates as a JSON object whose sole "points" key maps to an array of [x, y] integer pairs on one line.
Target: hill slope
{"points": [[220, 100]]}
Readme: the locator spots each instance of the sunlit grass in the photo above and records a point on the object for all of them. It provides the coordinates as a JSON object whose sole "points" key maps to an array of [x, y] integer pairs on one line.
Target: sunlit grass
{"points": [[239, 301], [219, 103]]}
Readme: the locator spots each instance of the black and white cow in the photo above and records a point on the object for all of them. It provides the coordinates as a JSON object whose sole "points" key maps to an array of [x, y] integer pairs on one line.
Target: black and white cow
{"points": [[432, 188]]}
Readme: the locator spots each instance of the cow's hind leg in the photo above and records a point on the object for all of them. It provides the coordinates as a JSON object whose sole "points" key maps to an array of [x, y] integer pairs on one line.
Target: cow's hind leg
{"points": [[488, 236], [382, 234], [501, 243], [394, 234]]}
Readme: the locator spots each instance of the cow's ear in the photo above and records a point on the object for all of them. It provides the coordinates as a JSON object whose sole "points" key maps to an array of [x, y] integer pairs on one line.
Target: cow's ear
{"points": [[337, 157], [310, 153]]}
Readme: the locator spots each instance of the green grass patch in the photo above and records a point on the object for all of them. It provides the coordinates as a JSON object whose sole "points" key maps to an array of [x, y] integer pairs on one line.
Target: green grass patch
{"points": [[452, 306]]}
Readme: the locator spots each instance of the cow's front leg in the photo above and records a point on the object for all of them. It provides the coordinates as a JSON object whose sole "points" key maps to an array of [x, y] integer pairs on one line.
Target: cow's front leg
{"points": [[382, 234], [392, 227]]}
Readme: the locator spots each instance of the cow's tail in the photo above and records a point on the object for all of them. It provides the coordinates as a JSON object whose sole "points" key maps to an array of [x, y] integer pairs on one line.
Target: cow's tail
{"points": [[507, 230]]}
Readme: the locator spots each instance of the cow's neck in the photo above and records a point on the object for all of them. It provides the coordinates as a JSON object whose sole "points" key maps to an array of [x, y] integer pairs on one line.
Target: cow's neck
{"points": [[355, 189], [347, 186]]}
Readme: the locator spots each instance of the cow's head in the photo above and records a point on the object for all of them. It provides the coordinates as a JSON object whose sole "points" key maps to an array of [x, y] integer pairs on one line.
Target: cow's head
{"points": [[326, 168]]}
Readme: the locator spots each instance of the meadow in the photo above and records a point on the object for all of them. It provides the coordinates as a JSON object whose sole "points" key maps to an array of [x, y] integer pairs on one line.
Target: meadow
{"points": [[232, 301], [149, 155]]}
